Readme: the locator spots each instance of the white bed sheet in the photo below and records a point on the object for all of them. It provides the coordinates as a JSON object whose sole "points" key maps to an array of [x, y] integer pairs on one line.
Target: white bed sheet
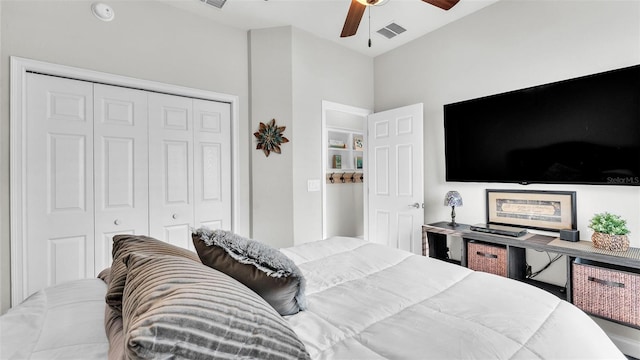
{"points": [[368, 301], [65, 321]]}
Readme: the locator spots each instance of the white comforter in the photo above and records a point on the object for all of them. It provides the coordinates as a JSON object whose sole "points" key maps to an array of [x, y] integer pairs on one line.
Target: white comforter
{"points": [[65, 321], [368, 301]]}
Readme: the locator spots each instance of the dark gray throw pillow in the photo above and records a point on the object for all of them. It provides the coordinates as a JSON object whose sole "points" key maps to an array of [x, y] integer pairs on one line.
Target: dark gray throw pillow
{"points": [[263, 269]]}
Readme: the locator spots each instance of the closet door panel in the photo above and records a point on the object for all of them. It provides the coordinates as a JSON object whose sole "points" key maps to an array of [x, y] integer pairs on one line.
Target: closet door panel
{"points": [[179, 235], [121, 166], [66, 173], [171, 168], [176, 172], [59, 239], [212, 169]]}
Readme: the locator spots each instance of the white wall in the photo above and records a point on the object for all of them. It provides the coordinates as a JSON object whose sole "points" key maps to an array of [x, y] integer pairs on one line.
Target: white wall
{"points": [[292, 71], [271, 98], [147, 40], [345, 213], [5, 266], [322, 70], [511, 45], [507, 46]]}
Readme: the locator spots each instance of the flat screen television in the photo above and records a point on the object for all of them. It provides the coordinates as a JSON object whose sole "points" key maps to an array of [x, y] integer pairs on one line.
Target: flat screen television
{"points": [[579, 131]]}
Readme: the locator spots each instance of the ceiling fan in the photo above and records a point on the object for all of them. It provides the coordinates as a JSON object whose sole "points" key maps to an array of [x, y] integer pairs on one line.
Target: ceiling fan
{"points": [[356, 10]]}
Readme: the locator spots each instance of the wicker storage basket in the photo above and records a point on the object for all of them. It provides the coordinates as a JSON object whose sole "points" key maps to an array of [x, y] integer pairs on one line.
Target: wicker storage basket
{"points": [[610, 242], [487, 258], [608, 293]]}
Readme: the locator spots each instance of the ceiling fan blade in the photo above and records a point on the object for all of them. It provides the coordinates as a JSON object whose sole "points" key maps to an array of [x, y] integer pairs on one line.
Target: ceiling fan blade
{"points": [[356, 10], [442, 4]]}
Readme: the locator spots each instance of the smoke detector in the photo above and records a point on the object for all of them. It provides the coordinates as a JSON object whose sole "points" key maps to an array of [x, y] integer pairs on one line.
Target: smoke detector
{"points": [[102, 11], [217, 3]]}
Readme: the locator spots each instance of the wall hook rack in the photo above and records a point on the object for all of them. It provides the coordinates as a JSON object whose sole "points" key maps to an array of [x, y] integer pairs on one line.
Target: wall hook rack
{"points": [[345, 178]]}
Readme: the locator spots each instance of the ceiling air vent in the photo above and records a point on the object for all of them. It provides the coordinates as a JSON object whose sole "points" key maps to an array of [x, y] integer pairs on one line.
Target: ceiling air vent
{"points": [[217, 3], [391, 30]]}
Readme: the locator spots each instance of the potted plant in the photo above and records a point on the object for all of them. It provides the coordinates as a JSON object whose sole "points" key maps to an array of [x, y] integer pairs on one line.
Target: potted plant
{"points": [[610, 232]]}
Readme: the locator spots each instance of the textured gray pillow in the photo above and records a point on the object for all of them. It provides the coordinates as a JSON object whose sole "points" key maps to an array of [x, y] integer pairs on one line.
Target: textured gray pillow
{"points": [[176, 308], [263, 269]]}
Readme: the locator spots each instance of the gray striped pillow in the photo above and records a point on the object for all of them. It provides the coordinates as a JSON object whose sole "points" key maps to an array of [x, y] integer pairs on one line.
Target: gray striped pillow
{"points": [[113, 329], [175, 307], [112, 324], [123, 245]]}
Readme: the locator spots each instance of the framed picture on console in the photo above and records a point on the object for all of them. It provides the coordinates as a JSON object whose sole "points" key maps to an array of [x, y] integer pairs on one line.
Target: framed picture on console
{"points": [[543, 210]]}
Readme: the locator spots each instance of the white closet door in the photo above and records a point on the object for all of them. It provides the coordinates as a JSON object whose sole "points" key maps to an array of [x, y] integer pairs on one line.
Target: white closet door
{"points": [[59, 182], [171, 169], [121, 167], [212, 164]]}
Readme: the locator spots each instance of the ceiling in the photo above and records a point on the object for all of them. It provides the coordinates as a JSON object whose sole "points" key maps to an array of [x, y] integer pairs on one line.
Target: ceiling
{"points": [[325, 18]]}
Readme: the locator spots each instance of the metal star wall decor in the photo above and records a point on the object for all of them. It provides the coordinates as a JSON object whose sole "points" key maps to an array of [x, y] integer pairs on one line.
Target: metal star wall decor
{"points": [[270, 136]]}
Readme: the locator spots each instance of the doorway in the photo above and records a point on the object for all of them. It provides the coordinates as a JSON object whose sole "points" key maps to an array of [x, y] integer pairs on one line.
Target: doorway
{"points": [[344, 200], [373, 179]]}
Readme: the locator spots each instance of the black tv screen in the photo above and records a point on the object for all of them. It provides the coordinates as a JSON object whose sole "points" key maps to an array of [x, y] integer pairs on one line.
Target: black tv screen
{"points": [[580, 131]]}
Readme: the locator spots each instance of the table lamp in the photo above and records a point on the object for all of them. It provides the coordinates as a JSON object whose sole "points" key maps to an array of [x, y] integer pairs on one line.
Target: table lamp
{"points": [[453, 199]]}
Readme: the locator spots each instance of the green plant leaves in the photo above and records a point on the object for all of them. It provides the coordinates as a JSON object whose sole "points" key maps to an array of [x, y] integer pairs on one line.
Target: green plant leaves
{"points": [[608, 223]]}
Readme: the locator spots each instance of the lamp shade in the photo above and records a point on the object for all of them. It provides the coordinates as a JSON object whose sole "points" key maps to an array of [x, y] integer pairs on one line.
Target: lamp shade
{"points": [[453, 198]]}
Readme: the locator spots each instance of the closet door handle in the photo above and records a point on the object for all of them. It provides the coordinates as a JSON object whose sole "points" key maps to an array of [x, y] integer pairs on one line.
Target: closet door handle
{"points": [[174, 216], [116, 222]]}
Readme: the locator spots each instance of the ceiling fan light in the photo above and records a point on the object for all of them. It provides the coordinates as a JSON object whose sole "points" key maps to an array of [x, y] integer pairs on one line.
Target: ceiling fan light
{"points": [[372, 2]]}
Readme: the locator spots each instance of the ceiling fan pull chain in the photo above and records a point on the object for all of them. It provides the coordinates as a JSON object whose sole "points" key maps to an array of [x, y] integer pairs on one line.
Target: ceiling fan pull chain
{"points": [[369, 10]]}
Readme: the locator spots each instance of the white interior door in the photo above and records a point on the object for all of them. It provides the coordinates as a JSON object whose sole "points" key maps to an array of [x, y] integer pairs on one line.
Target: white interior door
{"points": [[171, 207], [59, 208], [121, 167], [396, 186], [212, 164]]}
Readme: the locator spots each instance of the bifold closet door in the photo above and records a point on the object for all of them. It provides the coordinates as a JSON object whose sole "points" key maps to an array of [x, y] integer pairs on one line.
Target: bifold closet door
{"points": [[121, 167], [59, 213], [106, 160], [171, 208], [212, 164], [189, 167]]}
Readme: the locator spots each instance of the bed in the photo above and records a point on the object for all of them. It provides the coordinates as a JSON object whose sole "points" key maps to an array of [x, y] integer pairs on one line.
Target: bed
{"points": [[363, 301]]}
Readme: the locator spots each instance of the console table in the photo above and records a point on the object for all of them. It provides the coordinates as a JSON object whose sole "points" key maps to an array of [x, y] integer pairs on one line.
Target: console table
{"points": [[603, 267]]}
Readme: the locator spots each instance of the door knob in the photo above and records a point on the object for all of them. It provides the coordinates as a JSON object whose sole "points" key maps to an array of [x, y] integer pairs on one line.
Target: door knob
{"points": [[116, 221], [415, 205], [174, 216]]}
